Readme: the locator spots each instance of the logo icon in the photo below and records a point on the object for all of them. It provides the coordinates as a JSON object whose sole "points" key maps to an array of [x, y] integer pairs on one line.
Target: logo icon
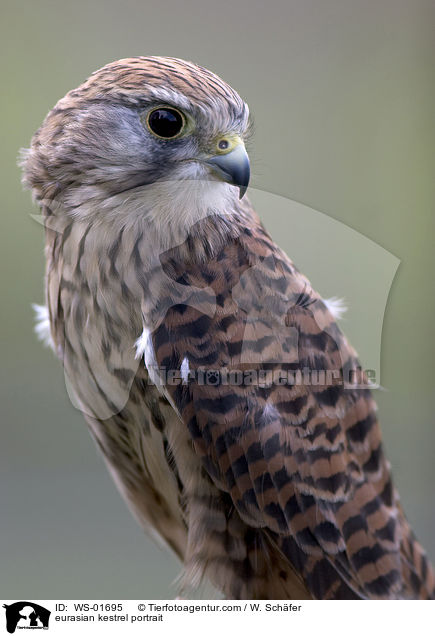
{"points": [[26, 615]]}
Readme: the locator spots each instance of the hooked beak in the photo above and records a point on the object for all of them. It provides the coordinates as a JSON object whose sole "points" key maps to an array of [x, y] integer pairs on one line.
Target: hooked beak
{"points": [[233, 167]]}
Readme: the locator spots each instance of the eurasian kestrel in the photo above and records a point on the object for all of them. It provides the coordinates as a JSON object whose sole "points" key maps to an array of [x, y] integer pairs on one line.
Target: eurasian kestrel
{"points": [[227, 403]]}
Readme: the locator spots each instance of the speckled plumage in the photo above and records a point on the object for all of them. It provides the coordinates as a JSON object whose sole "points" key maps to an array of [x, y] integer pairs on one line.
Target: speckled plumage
{"points": [[269, 490]]}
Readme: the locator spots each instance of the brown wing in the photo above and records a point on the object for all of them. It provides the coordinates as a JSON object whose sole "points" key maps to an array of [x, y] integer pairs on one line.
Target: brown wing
{"points": [[301, 461]]}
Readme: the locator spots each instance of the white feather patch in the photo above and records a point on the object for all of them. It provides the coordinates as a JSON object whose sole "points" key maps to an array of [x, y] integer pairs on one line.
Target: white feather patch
{"points": [[42, 325], [336, 306], [144, 348], [270, 412], [142, 343], [185, 369]]}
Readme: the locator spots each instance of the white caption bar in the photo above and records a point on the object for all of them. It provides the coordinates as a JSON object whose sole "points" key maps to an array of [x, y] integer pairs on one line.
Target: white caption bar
{"points": [[335, 618]]}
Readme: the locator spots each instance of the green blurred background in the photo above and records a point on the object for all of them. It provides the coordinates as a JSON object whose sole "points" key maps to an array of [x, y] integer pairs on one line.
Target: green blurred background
{"points": [[342, 94]]}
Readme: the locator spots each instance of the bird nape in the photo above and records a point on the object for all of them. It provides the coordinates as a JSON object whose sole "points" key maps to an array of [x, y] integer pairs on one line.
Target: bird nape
{"points": [[184, 332]]}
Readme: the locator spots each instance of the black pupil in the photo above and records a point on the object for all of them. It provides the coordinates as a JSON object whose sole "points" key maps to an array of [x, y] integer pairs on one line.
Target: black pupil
{"points": [[165, 122]]}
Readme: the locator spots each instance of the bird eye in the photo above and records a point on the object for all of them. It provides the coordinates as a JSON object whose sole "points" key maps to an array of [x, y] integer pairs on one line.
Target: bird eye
{"points": [[223, 144], [165, 122]]}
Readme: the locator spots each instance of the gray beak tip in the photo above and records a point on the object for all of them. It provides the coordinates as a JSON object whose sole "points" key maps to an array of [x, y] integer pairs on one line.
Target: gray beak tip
{"points": [[242, 191]]}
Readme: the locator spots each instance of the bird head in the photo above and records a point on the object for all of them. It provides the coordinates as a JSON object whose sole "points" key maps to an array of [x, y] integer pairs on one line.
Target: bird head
{"points": [[150, 130]]}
